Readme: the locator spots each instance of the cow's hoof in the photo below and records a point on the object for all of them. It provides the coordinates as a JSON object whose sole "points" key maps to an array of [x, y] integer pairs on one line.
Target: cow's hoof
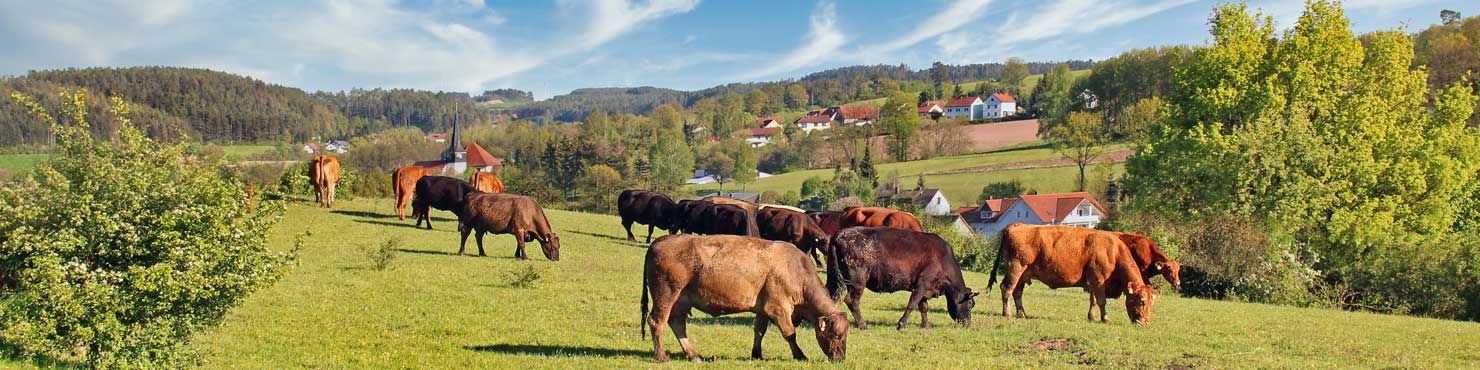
{"points": [[662, 358]]}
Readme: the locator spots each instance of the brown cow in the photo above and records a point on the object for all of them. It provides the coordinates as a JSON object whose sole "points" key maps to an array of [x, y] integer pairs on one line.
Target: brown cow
{"points": [[515, 215], [722, 275], [1151, 260], [886, 259], [793, 227], [486, 182], [403, 181], [251, 196], [880, 217], [830, 221], [1065, 256], [323, 173]]}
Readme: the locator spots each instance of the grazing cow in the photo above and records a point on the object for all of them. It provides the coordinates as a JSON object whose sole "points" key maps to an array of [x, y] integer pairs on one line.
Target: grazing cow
{"points": [[721, 219], [880, 217], [1065, 256], [323, 173], [793, 227], [721, 275], [830, 221], [403, 181], [885, 260], [515, 215], [647, 208], [687, 210], [750, 209], [486, 182], [440, 192]]}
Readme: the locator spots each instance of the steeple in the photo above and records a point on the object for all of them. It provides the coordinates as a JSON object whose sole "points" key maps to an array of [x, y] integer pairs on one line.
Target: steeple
{"points": [[455, 151]]}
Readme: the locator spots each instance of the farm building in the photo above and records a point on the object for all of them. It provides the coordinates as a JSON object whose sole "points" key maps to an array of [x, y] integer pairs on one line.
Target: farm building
{"points": [[932, 109], [458, 158], [932, 201], [1070, 209]]}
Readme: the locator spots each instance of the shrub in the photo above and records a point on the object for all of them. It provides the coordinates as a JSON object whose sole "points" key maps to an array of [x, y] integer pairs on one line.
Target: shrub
{"points": [[525, 276], [791, 198], [382, 257], [1002, 189], [117, 252], [770, 197]]}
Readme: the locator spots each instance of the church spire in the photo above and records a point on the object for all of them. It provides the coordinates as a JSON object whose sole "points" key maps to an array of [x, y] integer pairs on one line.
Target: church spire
{"points": [[455, 151]]}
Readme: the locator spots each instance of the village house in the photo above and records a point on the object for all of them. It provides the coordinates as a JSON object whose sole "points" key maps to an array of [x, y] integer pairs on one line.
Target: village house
{"points": [[456, 159], [1070, 209], [767, 122], [932, 201], [966, 106], [852, 115], [759, 136], [932, 109], [999, 105]]}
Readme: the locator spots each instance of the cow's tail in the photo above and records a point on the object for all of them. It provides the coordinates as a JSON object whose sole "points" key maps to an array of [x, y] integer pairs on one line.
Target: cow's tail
{"points": [[835, 278], [1003, 242], [646, 272]]}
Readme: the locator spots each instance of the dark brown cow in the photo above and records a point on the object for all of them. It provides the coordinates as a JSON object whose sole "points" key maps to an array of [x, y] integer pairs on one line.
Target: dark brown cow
{"points": [[750, 210], [486, 182], [1065, 256], [880, 217], [515, 215], [403, 182], [722, 275], [440, 192], [830, 221], [885, 259], [323, 174], [781, 224], [1151, 260], [647, 208]]}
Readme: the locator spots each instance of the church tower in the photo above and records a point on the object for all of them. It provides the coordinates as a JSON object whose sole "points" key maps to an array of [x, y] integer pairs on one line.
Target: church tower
{"points": [[455, 152]]}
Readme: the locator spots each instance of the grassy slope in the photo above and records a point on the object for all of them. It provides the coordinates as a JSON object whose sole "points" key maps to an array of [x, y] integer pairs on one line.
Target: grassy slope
{"points": [[443, 311], [961, 188], [17, 163], [1028, 84]]}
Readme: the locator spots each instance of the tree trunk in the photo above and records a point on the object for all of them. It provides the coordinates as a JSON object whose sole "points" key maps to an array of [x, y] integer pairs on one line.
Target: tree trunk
{"points": [[1081, 174]]}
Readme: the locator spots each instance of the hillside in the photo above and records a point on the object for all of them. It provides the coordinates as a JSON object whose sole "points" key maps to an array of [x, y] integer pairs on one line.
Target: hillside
{"points": [[438, 310]]}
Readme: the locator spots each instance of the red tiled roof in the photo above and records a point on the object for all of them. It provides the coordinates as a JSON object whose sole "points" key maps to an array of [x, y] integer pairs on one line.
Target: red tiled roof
{"points": [[1057, 207], [764, 120], [964, 101], [864, 112], [815, 118], [930, 105], [1003, 97], [762, 131], [477, 157]]}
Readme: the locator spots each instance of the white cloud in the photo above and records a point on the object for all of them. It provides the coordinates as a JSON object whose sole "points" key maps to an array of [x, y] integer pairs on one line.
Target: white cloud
{"points": [[958, 14], [612, 18], [1070, 17], [823, 40]]}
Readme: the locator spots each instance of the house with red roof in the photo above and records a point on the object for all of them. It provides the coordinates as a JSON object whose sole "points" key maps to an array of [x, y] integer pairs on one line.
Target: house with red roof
{"points": [[760, 136], [821, 119], [850, 115], [767, 122], [1070, 209], [999, 105], [932, 109], [969, 107]]}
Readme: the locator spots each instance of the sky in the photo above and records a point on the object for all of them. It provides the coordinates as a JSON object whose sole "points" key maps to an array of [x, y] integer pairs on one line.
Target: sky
{"points": [[553, 47]]}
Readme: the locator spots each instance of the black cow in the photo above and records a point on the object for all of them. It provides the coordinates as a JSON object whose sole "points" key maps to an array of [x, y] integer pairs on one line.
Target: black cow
{"points": [[718, 219], [794, 227], [440, 192], [647, 208], [889, 260]]}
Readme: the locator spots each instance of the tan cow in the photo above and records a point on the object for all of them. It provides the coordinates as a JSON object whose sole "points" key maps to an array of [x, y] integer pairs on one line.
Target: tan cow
{"points": [[486, 182], [724, 274], [1065, 256], [880, 217], [403, 181], [323, 173]]}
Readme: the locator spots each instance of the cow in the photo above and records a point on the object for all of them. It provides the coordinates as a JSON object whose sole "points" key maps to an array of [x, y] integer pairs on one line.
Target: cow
{"points": [[750, 209], [885, 260], [440, 192], [830, 221], [1065, 256], [880, 217], [793, 227], [1151, 260], [486, 182], [323, 174], [403, 182], [511, 214], [251, 197], [722, 275], [647, 208], [721, 219]]}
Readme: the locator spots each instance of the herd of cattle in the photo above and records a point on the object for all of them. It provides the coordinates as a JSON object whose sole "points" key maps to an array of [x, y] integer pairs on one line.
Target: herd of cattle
{"points": [[725, 256]]}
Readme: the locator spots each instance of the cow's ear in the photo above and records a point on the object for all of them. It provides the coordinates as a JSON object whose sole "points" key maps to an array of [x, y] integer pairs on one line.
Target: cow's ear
{"points": [[1132, 290], [822, 325], [973, 295]]}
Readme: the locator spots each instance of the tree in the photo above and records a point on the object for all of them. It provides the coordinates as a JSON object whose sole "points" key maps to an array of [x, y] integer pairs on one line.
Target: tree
{"points": [[1448, 17], [944, 137], [796, 97], [939, 73], [1133, 121], [866, 170], [1079, 140], [671, 159], [1014, 71], [599, 188], [731, 160], [120, 269], [1002, 189], [760, 103], [1053, 98], [898, 118]]}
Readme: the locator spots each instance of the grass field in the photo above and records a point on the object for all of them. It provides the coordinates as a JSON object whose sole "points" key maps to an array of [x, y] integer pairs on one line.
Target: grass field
{"points": [[240, 152], [436, 310], [961, 188], [17, 163]]}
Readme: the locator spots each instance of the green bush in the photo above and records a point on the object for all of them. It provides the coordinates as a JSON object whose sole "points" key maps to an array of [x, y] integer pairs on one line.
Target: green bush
{"points": [[117, 252], [525, 276], [383, 256]]}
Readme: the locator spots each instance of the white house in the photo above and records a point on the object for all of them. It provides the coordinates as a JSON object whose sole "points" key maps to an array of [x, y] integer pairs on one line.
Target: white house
{"points": [[759, 136], [969, 107], [767, 122], [932, 201], [999, 105], [818, 120], [932, 109], [1070, 209]]}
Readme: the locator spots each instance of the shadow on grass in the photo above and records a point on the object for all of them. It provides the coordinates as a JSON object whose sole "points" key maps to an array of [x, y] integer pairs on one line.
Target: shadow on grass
{"points": [[1017, 148], [551, 350], [419, 251], [722, 320], [367, 214], [603, 236]]}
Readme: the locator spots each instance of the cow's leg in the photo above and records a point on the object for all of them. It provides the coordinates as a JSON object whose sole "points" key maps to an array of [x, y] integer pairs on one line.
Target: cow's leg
{"points": [[464, 229], [1017, 297], [479, 235], [664, 298], [915, 298], [649, 238], [627, 224], [1010, 285], [679, 320], [761, 322], [924, 322], [519, 245], [1097, 298], [782, 317], [331, 195], [855, 293]]}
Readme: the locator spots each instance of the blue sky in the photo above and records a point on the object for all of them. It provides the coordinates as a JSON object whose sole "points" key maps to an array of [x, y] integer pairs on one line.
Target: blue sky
{"points": [[552, 47]]}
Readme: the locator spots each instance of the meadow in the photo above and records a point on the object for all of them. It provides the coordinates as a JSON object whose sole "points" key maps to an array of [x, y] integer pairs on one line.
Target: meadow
{"points": [[17, 163], [433, 309]]}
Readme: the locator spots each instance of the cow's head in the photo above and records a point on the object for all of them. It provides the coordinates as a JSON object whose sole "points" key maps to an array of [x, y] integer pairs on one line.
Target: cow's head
{"points": [[1171, 270], [832, 335], [551, 247], [1138, 301], [962, 300]]}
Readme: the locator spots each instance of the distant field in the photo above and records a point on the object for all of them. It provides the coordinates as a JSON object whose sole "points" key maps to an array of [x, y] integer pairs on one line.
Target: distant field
{"points": [[17, 163], [1028, 84], [435, 310], [240, 152]]}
